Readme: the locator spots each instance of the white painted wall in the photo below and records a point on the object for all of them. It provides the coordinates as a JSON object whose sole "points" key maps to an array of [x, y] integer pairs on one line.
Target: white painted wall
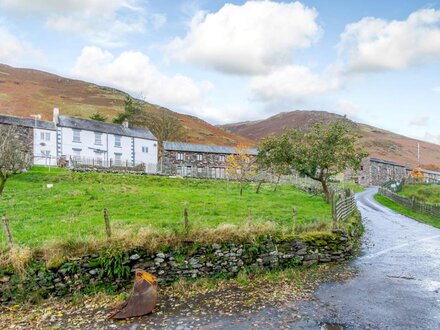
{"points": [[109, 149], [150, 157], [45, 147]]}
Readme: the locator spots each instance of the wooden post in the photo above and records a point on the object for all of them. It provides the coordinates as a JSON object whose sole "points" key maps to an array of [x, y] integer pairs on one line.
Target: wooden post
{"points": [[294, 216], [185, 218], [7, 230], [249, 215], [107, 224]]}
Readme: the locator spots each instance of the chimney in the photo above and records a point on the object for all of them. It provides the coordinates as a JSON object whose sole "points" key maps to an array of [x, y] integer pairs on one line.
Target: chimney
{"points": [[56, 113], [125, 123]]}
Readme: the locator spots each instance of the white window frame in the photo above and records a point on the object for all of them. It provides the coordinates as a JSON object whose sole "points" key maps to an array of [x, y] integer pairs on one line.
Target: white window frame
{"points": [[76, 135], [76, 152], [47, 135], [221, 158], [118, 159], [180, 156], [118, 141], [98, 138], [145, 149], [199, 157]]}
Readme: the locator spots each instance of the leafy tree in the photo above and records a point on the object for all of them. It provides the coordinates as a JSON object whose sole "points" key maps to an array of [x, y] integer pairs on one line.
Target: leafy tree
{"points": [[274, 157], [416, 174], [163, 125], [241, 165], [15, 155], [98, 117], [320, 153]]}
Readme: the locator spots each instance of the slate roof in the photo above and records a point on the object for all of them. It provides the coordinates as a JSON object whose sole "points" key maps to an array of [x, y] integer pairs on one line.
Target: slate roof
{"points": [[98, 126], [180, 146], [383, 161], [27, 122]]}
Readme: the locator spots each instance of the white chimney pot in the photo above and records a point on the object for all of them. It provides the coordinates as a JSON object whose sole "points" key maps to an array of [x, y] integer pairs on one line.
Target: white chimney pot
{"points": [[56, 113]]}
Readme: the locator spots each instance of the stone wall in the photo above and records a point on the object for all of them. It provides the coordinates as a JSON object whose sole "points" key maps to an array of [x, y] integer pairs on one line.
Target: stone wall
{"points": [[376, 172], [170, 163], [27, 136], [192, 260]]}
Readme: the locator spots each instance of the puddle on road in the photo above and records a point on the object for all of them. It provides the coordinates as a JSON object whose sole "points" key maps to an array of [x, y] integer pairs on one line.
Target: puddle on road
{"points": [[332, 326]]}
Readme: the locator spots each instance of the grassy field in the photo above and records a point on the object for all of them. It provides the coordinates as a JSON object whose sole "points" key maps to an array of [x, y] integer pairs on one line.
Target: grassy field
{"points": [[73, 209], [424, 193], [433, 221]]}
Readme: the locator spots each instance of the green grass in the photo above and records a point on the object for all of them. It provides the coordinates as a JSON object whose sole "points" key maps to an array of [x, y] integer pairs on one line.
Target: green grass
{"points": [[353, 186], [72, 211], [433, 221], [425, 193]]}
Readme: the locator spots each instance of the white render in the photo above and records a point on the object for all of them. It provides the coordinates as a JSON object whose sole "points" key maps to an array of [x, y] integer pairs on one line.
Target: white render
{"points": [[45, 147], [107, 151]]}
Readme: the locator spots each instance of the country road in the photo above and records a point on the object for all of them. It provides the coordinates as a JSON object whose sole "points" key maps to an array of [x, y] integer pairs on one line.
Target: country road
{"points": [[398, 286]]}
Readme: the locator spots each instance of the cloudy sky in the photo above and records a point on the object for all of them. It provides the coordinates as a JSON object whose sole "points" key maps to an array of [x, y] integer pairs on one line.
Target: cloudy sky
{"points": [[376, 61]]}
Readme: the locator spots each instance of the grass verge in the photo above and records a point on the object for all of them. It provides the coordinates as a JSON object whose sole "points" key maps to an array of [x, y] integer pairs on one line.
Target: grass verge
{"points": [[422, 192], [430, 220]]}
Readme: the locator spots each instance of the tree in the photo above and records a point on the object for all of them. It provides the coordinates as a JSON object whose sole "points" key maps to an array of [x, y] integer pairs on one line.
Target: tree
{"points": [[416, 174], [241, 165], [321, 152], [274, 157], [163, 125], [15, 155], [98, 117]]}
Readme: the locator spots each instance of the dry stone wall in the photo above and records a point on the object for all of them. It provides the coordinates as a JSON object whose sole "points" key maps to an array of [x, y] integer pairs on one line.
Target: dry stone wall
{"points": [[91, 272]]}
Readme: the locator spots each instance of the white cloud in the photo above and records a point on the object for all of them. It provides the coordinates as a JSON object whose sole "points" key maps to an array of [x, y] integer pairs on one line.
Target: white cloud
{"points": [[348, 108], [420, 121], [432, 138], [374, 44], [249, 39], [133, 72], [16, 51], [102, 22], [292, 83]]}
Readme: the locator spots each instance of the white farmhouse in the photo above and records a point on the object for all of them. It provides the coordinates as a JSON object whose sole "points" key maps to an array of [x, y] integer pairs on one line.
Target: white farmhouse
{"points": [[87, 142], [41, 135], [90, 141]]}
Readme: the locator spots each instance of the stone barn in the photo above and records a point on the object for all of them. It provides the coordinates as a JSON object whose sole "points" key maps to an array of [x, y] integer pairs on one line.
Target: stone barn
{"points": [[196, 160]]}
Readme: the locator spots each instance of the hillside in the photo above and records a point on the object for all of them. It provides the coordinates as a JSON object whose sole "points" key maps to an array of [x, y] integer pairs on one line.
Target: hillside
{"points": [[378, 142], [24, 92]]}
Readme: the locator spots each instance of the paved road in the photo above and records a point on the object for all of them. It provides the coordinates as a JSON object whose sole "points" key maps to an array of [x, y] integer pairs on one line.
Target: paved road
{"points": [[398, 286]]}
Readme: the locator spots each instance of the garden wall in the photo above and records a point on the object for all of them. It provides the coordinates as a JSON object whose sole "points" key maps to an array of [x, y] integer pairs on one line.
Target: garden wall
{"points": [[114, 269]]}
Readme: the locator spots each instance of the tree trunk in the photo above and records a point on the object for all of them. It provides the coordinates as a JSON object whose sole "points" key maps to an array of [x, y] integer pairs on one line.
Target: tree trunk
{"points": [[2, 184], [325, 190], [259, 186], [241, 188], [276, 184]]}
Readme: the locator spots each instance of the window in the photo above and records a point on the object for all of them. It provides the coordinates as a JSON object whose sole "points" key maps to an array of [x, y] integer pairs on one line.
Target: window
{"points": [[188, 171], [221, 158], [118, 159], [179, 156], [145, 149], [117, 141], [45, 153], [77, 153], [44, 136], [98, 138], [76, 135], [179, 170], [199, 157]]}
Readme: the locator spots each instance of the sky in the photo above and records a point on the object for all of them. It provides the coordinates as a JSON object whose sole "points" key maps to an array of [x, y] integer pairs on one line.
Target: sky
{"points": [[378, 62]]}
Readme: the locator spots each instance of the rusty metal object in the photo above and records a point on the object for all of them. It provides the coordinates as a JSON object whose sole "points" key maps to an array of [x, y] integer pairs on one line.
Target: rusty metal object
{"points": [[142, 299]]}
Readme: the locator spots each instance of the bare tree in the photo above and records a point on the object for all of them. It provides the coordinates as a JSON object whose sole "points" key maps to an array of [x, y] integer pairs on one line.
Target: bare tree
{"points": [[241, 165], [15, 155]]}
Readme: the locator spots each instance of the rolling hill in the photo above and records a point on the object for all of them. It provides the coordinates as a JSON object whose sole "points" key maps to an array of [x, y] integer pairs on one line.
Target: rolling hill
{"points": [[24, 92], [378, 142]]}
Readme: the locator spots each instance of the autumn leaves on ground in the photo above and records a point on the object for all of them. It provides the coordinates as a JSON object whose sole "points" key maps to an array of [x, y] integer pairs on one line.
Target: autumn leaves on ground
{"points": [[187, 303]]}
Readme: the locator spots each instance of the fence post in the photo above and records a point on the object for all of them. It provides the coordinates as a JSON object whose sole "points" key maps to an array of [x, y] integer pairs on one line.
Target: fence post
{"points": [[7, 230], [185, 218], [250, 215], [107, 224]]}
